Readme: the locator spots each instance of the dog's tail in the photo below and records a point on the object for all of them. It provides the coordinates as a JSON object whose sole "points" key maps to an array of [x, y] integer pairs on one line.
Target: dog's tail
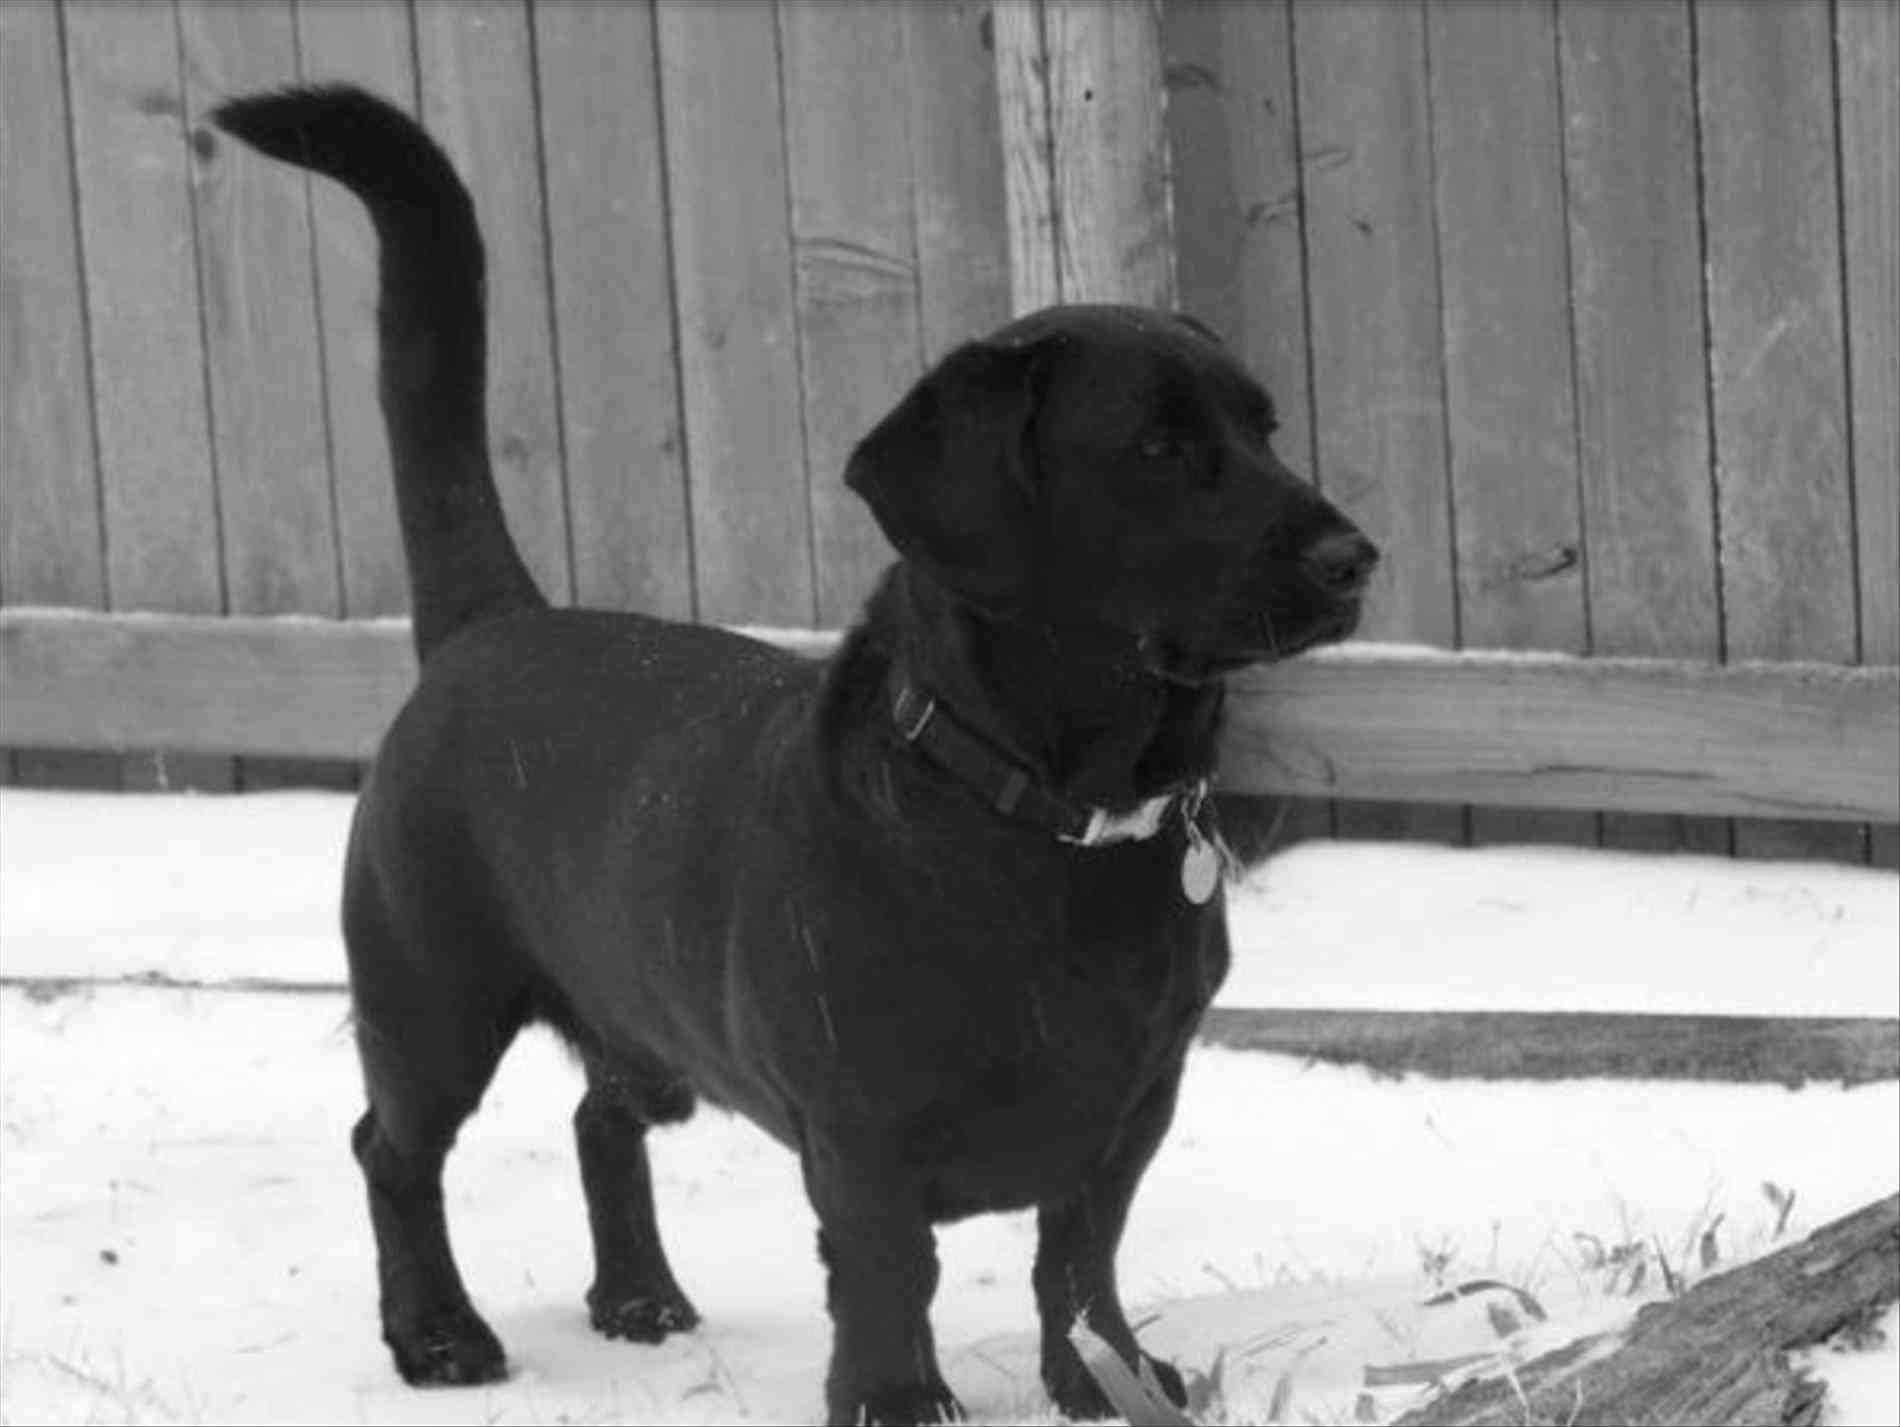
{"points": [[463, 565]]}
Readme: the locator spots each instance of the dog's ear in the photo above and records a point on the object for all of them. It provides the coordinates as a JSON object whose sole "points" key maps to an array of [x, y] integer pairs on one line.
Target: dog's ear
{"points": [[949, 474]]}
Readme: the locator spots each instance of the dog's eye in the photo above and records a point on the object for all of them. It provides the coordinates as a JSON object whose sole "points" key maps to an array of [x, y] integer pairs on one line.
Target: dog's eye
{"points": [[1160, 448]]}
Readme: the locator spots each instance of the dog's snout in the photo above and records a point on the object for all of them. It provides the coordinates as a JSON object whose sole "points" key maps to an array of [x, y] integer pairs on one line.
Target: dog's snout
{"points": [[1341, 562]]}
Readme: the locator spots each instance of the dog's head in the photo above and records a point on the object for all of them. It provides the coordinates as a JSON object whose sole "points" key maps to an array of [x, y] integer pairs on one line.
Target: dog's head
{"points": [[1112, 468]]}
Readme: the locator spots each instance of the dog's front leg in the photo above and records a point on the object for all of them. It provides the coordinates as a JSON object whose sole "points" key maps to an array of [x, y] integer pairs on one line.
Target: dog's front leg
{"points": [[1075, 1263], [880, 1258]]}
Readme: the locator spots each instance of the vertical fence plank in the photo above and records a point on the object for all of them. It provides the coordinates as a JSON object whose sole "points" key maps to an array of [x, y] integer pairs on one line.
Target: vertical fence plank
{"points": [[855, 263], [1236, 181], [1109, 148], [1022, 101], [1377, 357], [257, 298], [477, 83], [620, 398], [956, 149], [50, 546], [1777, 355], [155, 458], [1868, 41], [1497, 148], [256, 291], [1636, 283], [725, 163], [1240, 261], [368, 42]]}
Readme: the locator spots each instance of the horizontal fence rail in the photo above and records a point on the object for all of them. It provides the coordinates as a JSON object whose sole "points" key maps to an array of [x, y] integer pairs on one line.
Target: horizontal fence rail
{"points": [[1394, 723]]}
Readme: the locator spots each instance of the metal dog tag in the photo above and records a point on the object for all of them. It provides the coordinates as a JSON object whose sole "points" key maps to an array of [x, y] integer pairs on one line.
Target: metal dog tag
{"points": [[1200, 868]]}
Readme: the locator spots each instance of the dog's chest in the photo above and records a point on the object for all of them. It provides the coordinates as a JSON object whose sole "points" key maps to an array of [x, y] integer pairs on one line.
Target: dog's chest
{"points": [[1006, 1031]]}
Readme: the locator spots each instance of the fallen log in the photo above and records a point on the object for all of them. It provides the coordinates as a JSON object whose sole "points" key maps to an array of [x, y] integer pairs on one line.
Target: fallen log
{"points": [[1716, 1355]]}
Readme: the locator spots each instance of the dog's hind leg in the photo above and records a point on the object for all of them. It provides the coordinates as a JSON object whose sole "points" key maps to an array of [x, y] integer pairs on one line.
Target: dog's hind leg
{"points": [[428, 1052], [634, 1294]]}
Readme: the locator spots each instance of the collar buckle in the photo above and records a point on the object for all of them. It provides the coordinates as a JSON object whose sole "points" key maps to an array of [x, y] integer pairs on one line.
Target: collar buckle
{"points": [[913, 713]]}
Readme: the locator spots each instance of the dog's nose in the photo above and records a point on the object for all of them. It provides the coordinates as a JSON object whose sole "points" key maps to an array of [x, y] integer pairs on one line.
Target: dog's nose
{"points": [[1341, 562]]}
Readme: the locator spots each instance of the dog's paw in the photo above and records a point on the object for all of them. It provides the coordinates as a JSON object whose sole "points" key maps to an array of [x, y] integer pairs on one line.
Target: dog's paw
{"points": [[908, 1405], [452, 1349], [1080, 1398], [642, 1319]]}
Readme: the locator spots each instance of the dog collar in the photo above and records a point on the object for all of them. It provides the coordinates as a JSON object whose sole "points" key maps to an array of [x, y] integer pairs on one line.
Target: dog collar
{"points": [[1011, 790]]}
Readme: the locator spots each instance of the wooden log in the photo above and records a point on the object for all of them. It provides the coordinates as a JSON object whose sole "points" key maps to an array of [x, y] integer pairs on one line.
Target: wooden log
{"points": [[1762, 740], [1718, 1353]]}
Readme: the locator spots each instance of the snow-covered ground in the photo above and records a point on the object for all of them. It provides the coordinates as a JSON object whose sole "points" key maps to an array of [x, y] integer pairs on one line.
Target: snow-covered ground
{"points": [[182, 1234]]}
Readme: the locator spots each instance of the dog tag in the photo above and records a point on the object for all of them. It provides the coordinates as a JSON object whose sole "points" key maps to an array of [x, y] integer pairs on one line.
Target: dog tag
{"points": [[1200, 868]]}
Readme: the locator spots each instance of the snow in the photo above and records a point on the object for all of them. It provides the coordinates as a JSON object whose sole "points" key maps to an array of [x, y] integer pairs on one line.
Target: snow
{"points": [[182, 1235]]}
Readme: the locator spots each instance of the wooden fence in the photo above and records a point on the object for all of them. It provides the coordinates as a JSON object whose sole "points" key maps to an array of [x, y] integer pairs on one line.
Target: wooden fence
{"points": [[1587, 310]]}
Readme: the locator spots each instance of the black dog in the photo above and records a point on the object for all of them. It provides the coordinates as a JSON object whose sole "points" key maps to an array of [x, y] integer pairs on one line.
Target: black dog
{"points": [[940, 914]]}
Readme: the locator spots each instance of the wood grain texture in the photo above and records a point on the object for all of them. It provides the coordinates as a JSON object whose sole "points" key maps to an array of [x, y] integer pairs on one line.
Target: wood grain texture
{"points": [[1718, 1352], [1377, 359], [957, 167], [1022, 100], [257, 296], [1778, 356], [1642, 384], [854, 254], [613, 303], [1236, 182], [1498, 158], [1783, 740], [1240, 256], [1109, 150], [367, 42], [732, 266], [247, 684], [51, 544], [1868, 41], [478, 99], [1778, 740], [140, 265], [257, 302]]}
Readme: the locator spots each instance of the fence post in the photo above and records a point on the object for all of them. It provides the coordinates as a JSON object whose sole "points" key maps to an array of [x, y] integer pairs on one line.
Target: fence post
{"points": [[1085, 148]]}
